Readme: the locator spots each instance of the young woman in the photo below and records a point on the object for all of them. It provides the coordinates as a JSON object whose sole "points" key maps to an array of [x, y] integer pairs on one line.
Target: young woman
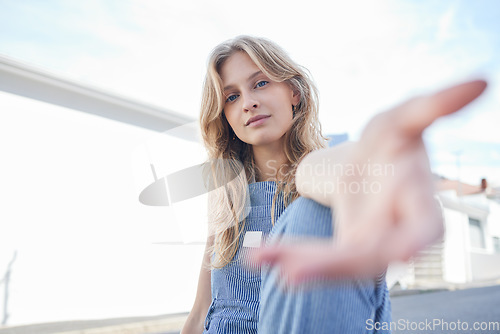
{"points": [[259, 120]]}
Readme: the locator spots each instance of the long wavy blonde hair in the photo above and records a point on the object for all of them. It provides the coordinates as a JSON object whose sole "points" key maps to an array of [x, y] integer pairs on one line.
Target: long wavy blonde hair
{"points": [[231, 163]]}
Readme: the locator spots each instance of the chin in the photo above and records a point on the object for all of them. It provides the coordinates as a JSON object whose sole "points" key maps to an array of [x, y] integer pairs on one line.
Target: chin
{"points": [[263, 141]]}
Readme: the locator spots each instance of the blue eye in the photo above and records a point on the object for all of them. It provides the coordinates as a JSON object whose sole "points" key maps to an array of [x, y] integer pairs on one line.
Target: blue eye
{"points": [[231, 98], [261, 83]]}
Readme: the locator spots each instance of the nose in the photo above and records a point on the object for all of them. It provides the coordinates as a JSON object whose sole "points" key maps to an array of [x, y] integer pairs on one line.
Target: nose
{"points": [[249, 102]]}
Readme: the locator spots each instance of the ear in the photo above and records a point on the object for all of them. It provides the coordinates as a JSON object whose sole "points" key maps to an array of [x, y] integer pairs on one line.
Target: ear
{"points": [[295, 97]]}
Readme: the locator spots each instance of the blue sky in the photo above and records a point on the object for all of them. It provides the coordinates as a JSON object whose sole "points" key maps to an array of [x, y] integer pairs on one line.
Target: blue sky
{"points": [[365, 56]]}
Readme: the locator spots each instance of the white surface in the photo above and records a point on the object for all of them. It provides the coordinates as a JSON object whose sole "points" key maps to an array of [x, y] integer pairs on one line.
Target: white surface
{"points": [[85, 245]]}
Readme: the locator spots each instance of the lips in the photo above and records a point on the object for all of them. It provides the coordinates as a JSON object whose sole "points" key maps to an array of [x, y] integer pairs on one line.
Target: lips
{"points": [[256, 118]]}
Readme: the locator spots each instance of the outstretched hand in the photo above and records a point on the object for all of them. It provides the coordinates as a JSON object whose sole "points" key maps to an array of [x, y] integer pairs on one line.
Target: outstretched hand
{"points": [[390, 213]]}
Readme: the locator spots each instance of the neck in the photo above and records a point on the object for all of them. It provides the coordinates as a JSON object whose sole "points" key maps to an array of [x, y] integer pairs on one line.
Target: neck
{"points": [[271, 162]]}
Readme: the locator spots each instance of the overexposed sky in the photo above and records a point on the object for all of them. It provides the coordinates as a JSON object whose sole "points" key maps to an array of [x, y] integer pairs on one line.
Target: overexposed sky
{"points": [[364, 55]]}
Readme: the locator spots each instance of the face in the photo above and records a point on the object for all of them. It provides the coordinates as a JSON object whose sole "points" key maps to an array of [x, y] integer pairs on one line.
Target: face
{"points": [[258, 109]]}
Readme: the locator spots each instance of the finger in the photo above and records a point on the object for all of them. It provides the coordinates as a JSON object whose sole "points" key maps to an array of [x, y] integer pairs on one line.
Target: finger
{"points": [[306, 261], [414, 116], [328, 261], [457, 97], [291, 261], [269, 255]]}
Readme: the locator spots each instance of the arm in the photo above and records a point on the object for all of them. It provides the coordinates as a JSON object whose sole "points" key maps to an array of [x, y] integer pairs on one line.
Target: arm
{"points": [[195, 320]]}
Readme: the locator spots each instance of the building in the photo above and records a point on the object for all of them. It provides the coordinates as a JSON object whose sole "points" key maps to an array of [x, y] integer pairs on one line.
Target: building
{"points": [[470, 249]]}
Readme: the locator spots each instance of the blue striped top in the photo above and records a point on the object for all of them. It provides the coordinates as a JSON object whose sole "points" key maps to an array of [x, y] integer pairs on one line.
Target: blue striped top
{"points": [[236, 286]]}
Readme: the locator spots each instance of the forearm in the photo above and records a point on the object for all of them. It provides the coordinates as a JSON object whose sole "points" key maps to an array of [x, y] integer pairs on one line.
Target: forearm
{"points": [[318, 174], [196, 318], [194, 323]]}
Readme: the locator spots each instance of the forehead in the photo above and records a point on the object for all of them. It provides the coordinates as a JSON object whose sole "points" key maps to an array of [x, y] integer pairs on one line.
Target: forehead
{"points": [[238, 67]]}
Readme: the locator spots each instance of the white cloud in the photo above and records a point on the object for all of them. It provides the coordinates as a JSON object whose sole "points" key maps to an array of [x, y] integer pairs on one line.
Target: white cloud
{"points": [[445, 27]]}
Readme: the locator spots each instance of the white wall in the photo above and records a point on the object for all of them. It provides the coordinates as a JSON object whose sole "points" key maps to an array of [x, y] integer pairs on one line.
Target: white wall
{"points": [[454, 252], [86, 247], [485, 266], [494, 219]]}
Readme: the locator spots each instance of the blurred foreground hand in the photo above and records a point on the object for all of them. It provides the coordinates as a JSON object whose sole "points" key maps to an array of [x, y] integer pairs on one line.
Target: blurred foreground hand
{"points": [[394, 214]]}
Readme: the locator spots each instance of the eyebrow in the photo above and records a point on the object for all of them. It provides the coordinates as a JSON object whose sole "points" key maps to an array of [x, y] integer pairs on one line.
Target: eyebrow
{"points": [[250, 78]]}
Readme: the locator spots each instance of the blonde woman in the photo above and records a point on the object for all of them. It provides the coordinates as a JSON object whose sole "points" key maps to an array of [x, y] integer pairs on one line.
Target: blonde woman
{"points": [[259, 120]]}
